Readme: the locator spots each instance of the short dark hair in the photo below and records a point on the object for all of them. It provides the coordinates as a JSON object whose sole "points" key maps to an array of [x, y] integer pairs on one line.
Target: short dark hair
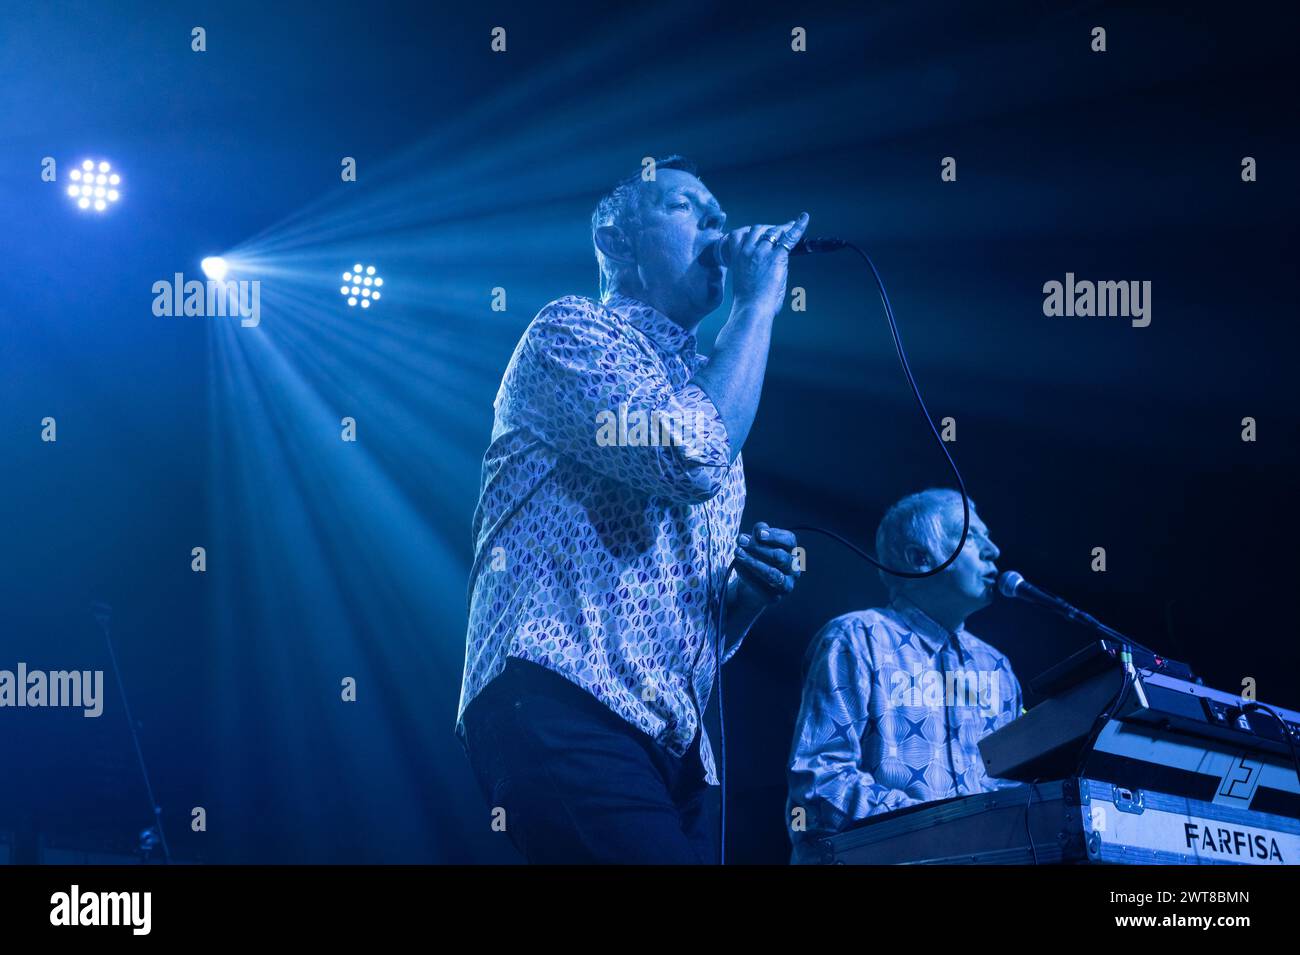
{"points": [[618, 207]]}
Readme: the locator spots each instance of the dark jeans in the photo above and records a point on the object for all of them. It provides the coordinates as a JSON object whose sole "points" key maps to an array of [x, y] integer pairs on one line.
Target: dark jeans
{"points": [[578, 783]]}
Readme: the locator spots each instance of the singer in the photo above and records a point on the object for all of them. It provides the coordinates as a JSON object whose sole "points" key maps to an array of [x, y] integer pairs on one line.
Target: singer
{"points": [[895, 699], [602, 569]]}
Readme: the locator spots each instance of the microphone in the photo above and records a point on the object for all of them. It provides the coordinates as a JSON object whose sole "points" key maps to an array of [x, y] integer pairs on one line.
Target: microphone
{"points": [[718, 254], [1013, 584]]}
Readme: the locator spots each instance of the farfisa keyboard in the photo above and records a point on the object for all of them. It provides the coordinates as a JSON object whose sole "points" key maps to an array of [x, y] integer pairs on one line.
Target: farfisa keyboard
{"points": [[1130, 760]]}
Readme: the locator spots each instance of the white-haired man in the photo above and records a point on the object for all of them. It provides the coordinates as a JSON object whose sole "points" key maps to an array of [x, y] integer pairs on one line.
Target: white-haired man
{"points": [[603, 540], [896, 698]]}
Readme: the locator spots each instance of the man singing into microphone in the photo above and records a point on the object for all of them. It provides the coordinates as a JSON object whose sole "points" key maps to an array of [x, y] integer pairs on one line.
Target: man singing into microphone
{"points": [[608, 518], [896, 698]]}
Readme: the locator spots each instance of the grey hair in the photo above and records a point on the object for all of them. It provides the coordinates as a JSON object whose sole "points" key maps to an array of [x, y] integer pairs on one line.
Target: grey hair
{"points": [[921, 520], [619, 207]]}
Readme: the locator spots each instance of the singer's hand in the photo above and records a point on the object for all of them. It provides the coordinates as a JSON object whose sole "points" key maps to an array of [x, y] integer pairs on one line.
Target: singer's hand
{"points": [[766, 570], [759, 266], [766, 565], [733, 378]]}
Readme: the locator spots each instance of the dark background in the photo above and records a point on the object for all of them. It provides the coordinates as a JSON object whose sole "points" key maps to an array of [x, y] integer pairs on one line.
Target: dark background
{"points": [[480, 170]]}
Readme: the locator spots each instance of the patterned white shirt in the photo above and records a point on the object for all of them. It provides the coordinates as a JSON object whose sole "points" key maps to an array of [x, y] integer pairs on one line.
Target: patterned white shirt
{"points": [[600, 548], [894, 707]]}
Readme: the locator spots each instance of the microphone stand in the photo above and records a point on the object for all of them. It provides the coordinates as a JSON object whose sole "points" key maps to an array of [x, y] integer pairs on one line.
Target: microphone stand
{"points": [[1130, 679], [1073, 613], [103, 615]]}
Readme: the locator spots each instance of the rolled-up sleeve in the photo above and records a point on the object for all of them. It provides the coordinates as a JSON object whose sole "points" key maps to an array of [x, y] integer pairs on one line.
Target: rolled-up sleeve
{"points": [[825, 775], [598, 394]]}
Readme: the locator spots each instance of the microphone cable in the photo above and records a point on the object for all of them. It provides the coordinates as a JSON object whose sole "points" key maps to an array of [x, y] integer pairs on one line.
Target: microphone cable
{"points": [[925, 412], [828, 245], [1254, 706]]}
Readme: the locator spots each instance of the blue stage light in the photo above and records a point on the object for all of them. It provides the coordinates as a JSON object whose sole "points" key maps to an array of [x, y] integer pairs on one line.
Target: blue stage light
{"points": [[94, 186], [361, 285], [215, 267]]}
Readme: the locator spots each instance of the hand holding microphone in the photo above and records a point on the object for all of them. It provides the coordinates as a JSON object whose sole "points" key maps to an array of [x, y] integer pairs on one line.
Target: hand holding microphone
{"points": [[718, 254], [758, 258]]}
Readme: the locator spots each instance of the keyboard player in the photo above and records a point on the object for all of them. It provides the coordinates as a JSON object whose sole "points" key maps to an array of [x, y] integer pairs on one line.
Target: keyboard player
{"points": [[896, 698]]}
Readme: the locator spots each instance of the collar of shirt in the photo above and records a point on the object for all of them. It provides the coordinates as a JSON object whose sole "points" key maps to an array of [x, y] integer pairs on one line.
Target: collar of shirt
{"points": [[934, 635], [654, 324]]}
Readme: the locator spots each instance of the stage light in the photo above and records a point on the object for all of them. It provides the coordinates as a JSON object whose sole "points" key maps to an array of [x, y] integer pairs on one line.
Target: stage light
{"points": [[90, 189], [215, 267], [357, 289]]}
